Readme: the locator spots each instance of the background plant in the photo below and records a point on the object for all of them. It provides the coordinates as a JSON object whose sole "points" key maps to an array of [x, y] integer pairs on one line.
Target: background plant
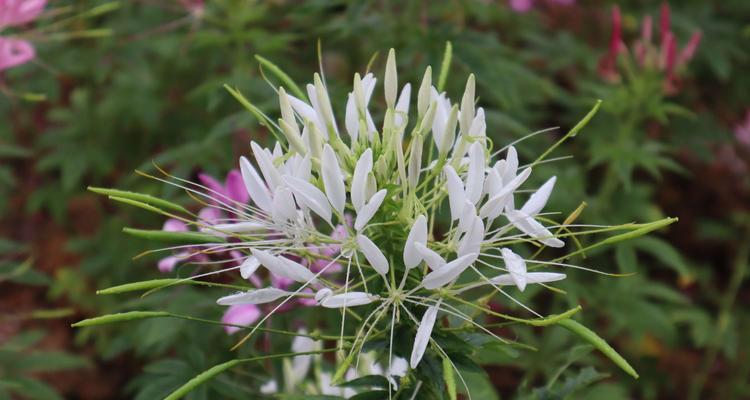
{"points": [[145, 93]]}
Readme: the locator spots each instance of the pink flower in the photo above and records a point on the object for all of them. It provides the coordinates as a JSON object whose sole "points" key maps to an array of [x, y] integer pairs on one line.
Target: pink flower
{"points": [[742, 131], [244, 314], [19, 12], [15, 52], [666, 57], [522, 6], [233, 188]]}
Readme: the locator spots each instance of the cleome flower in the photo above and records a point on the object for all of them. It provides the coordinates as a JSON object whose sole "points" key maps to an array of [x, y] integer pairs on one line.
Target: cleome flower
{"points": [[376, 197], [397, 223]]}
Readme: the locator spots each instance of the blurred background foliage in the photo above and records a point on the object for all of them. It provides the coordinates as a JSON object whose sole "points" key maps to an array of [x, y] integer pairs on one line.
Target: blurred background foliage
{"points": [[91, 111]]}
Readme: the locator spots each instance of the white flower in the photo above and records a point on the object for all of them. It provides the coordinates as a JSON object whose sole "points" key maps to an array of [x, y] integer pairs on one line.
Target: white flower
{"points": [[350, 299], [424, 332], [259, 296], [417, 234], [283, 266], [448, 272]]}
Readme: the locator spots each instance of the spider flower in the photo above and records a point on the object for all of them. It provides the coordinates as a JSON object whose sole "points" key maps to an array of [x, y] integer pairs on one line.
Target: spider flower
{"points": [[399, 218], [15, 51], [664, 56]]}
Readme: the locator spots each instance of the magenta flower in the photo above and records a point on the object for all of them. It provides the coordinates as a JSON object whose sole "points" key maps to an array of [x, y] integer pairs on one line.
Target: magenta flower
{"points": [[242, 314], [522, 6], [665, 57], [233, 188], [742, 131], [14, 52]]}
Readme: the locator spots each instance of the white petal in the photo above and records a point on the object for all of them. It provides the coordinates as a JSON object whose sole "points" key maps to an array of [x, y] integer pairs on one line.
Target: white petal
{"points": [[402, 106], [304, 110], [467, 216], [333, 179], [475, 175], [391, 79], [310, 196], [456, 195], [467, 106], [433, 259], [373, 254], [448, 272], [269, 171], [322, 294], [533, 228], [351, 118], [255, 185], [359, 179], [349, 299], [478, 125], [424, 332], [301, 364], [538, 200], [236, 227], [516, 266], [249, 266], [502, 198], [472, 240], [284, 208], [259, 296], [417, 233], [531, 277], [284, 267], [511, 164], [368, 210]]}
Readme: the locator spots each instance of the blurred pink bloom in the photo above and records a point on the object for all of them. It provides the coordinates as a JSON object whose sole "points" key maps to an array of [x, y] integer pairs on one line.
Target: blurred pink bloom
{"points": [[244, 314], [664, 57], [14, 52], [522, 6], [233, 188], [194, 7], [742, 131], [19, 12]]}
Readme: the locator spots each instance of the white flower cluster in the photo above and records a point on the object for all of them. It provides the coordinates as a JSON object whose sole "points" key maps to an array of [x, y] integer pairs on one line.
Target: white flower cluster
{"points": [[372, 198]]}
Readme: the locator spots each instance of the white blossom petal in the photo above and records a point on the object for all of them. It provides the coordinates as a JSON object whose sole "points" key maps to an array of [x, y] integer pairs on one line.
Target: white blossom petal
{"points": [[269, 171], [333, 179], [249, 266], [350, 299], [448, 272], [322, 294], [475, 175], [255, 186], [533, 228], [424, 332], [310, 196], [402, 106], [456, 194], [501, 199], [516, 266], [531, 277], [259, 296], [417, 233], [511, 164], [359, 179], [432, 258], [284, 208], [373, 254], [351, 118], [284, 267], [538, 200], [368, 210], [471, 242]]}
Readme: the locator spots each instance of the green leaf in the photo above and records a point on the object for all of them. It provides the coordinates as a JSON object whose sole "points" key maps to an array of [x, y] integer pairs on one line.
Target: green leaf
{"points": [[120, 317], [140, 197], [449, 378], [378, 381], [601, 345], [173, 237], [158, 283]]}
